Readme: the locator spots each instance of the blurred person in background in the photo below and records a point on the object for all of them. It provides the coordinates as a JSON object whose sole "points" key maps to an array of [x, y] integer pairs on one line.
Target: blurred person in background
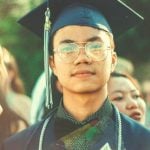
{"points": [[3, 76], [124, 65], [10, 122], [146, 93], [38, 108], [3, 71], [124, 92], [38, 99], [16, 98]]}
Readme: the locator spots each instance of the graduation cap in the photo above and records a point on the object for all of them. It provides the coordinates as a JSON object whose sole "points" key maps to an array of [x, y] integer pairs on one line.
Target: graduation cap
{"points": [[110, 15], [119, 16]]}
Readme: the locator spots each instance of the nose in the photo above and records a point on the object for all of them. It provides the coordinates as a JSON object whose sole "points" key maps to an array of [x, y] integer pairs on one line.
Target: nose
{"points": [[82, 57], [132, 104]]}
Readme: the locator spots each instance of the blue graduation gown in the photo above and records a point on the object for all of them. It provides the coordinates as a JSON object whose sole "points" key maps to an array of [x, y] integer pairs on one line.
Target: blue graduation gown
{"points": [[135, 137]]}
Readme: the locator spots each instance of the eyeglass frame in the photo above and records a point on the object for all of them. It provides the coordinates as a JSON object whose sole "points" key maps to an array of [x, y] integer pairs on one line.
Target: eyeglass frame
{"points": [[80, 49]]}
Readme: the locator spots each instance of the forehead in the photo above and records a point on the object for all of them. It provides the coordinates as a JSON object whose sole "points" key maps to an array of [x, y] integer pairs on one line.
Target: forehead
{"points": [[146, 86], [121, 83], [77, 33]]}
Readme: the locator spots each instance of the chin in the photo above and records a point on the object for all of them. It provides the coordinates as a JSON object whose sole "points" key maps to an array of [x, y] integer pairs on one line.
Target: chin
{"points": [[88, 89]]}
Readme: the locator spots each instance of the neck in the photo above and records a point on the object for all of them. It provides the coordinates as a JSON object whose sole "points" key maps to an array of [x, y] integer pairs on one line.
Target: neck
{"points": [[82, 105]]}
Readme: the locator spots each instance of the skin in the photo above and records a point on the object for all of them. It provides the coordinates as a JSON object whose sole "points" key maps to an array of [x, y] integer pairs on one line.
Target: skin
{"points": [[84, 82], [127, 98], [146, 90]]}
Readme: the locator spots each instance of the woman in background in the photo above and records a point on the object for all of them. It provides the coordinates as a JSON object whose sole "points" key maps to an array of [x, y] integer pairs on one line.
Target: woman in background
{"points": [[16, 98], [124, 92], [10, 121], [3, 76], [3, 71]]}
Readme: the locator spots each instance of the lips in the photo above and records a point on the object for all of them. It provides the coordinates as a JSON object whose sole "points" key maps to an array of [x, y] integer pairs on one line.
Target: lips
{"points": [[136, 115], [82, 73]]}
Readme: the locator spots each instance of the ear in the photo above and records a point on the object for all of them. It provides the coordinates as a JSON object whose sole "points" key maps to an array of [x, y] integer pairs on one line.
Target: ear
{"points": [[52, 64], [114, 61]]}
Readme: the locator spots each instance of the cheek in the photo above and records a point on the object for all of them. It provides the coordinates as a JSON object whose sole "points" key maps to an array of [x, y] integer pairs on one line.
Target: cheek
{"points": [[62, 71], [121, 106], [108, 64], [105, 69], [58, 66], [142, 106]]}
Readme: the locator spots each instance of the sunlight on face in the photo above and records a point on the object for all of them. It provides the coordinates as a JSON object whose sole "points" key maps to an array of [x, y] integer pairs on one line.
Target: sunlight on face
{"points": [[83, 74]]}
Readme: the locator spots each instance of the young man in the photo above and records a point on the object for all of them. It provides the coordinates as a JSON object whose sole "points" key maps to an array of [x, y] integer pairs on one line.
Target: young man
{"points": [[82, 58]]}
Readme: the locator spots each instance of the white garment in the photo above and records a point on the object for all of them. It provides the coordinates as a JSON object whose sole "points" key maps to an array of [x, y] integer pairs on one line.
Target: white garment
{"points": [[38, 99]]}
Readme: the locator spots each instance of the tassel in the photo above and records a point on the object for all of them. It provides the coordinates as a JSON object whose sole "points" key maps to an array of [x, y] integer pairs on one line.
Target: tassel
{"points": [[47, 26]]}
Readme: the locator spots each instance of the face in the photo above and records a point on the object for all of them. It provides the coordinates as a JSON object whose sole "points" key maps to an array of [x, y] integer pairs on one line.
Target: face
{"points": [[83, 75], [126, 97]]}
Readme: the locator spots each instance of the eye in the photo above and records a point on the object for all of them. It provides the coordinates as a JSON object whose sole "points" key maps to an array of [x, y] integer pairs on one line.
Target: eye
{"points": [[92, 46], [67, 48], [135, 96], [118, 98]]}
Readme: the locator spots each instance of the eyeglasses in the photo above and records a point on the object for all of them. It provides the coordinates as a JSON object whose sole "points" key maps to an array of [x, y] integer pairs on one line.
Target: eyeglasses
{"points": [[69, 52]]}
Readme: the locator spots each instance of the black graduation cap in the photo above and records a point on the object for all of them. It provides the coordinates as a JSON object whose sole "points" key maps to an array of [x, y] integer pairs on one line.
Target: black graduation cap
{"points": [[118, 15], [110, 15]]}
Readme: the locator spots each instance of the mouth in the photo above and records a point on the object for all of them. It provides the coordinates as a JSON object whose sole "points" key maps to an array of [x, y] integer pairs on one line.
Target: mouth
{"points": [[136, 116], [82, 73]]}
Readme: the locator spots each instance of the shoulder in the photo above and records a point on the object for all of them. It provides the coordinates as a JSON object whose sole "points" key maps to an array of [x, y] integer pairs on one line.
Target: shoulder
{"points": [[21, 139], [134, 134]]}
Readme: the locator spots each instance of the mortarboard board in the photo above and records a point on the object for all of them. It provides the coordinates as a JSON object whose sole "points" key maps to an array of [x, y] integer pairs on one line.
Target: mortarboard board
{"points": [[110, 15], [120, 17]]}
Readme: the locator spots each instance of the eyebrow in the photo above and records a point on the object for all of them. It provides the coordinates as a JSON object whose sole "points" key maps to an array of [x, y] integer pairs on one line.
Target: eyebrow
{"points": [[95, 38], [67, 41]]}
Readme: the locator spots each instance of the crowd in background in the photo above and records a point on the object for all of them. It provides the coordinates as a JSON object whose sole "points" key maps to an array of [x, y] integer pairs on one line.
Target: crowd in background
{"points": [[14, 103]]}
